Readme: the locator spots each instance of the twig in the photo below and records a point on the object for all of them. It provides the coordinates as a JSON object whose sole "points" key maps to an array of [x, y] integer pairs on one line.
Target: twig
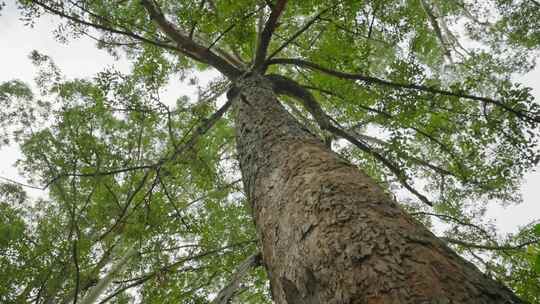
{"points": [[102, 27], [491, 247], [453, 219], [9, 180]]}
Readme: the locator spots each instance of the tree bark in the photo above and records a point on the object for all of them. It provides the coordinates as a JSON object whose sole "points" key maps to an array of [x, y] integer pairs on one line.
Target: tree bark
{"points": [[328, 232]]}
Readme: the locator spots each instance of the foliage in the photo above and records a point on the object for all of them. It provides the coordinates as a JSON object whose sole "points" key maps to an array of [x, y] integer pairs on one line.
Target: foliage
{"points": [[123, 167]]}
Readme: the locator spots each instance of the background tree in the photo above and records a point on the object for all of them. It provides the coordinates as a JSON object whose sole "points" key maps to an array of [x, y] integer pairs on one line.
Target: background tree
{"points": [[392, 78]]}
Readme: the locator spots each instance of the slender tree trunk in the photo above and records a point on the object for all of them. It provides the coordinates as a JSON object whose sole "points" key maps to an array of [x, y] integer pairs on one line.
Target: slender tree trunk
{"points": [[328, 233]]}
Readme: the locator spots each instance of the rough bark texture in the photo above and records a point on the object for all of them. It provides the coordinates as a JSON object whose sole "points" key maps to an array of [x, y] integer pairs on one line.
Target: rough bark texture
{"points": [[328, 233]]}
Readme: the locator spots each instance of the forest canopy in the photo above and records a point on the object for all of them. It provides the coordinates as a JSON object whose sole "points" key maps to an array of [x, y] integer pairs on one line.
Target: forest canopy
{"points": [[146, 201]]}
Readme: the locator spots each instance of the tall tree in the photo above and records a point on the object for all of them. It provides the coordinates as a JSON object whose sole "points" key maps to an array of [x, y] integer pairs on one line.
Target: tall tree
{"points": [[335, 105]]}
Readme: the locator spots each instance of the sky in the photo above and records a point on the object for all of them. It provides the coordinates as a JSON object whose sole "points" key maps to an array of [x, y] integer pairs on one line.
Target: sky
{"points": [[80, 58]]}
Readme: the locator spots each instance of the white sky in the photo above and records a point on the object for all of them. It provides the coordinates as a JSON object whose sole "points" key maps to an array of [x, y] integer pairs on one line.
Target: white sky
{"points": [[80, 58]]}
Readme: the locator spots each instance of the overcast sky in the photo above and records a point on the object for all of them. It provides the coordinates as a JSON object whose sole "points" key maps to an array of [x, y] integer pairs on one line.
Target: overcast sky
{"points": [[80, 58]]}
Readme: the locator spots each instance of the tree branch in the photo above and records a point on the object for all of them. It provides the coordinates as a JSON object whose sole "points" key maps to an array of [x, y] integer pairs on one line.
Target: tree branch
{"points": [[97, 173], [204, 127], [9, 180], [436, 28], [266, 34], [125, 208], [226, 294], [453, 219], [189, 46], [284, 85], [400, 174], [491, 247], [387, 115], [298, 33], [102, 27], [194, 26], [417, 160], [102, 285], [77, 271], [232, 26], [355, 34], [145, 277], [395, 85]]}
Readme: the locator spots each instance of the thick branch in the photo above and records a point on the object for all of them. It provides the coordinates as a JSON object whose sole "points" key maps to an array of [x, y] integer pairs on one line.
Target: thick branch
{"points": [[395, 85], [451, 152], [266, 34], [107, 279], [436, 28], [226, 294], [77, 271], [287, 86], [284, 85], [400, 174], [187, 45]]}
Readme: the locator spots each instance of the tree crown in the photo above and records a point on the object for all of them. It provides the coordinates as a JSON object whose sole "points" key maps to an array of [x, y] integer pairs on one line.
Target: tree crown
{"points": [[418, 93]]}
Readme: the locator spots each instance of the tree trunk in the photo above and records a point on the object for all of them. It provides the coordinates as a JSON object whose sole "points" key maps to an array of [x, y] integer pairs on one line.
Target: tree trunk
{"points": [[328, 233]]}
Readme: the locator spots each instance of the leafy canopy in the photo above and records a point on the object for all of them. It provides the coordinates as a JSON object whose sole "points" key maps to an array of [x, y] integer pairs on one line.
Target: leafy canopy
{"points": [[421, 89]]}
